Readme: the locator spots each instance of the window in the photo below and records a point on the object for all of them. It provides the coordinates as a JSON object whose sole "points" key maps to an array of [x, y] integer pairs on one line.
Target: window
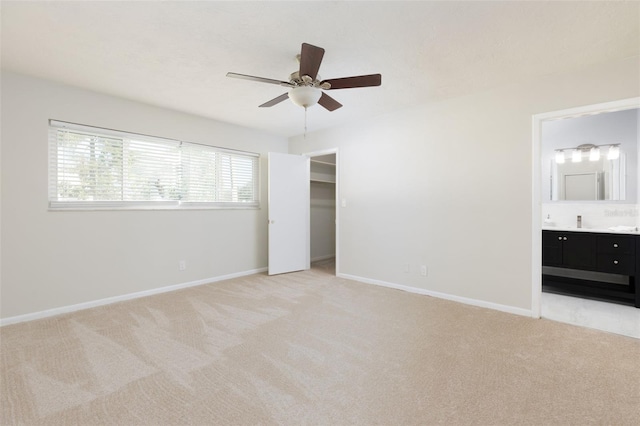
{"points": [[90, 167]]}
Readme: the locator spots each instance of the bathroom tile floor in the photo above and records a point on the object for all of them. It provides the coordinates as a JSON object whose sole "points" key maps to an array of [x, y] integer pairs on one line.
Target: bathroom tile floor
{"points": [[611, 317]]}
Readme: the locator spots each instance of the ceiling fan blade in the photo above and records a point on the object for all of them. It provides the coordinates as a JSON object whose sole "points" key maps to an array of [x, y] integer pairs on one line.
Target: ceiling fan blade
{"points": [[353, 82], [259, 79], [275, 101], [310, 60], [328, 102]]}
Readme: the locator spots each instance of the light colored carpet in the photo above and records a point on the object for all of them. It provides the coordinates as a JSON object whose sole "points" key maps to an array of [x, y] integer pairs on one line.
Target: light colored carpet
{"points": [[310, 348]]}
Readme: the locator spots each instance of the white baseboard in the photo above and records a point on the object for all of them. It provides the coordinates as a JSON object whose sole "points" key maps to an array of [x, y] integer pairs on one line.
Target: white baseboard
{"points": [[465, 300], [114, 299], [325, 257]]}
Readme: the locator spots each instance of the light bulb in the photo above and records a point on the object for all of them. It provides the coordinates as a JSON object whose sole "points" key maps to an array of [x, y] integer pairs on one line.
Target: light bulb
{"points": [[560, 157], [594, 154], [614, 153], [576, 156]]}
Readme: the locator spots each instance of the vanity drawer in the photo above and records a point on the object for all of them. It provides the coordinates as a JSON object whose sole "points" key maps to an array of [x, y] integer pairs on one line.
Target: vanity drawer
{"points": [[616, 244], [624, 264]]}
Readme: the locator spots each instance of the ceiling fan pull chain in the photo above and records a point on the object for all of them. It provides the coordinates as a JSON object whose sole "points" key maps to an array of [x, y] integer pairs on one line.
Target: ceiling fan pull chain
{"points": [[305, 124]]}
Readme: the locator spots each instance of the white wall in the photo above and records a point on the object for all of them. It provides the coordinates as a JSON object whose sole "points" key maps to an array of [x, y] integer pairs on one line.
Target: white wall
{"points": [[449, 185], [56, 259]]}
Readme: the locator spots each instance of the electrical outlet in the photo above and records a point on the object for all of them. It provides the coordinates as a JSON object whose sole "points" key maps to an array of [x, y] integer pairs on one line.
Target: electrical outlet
{"points": [[423, 270], [182, 265], [406, 268]]}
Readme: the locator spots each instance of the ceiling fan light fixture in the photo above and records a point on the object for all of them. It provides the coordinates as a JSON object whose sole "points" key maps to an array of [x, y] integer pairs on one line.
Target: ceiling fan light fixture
{"points": [[305, 96]]}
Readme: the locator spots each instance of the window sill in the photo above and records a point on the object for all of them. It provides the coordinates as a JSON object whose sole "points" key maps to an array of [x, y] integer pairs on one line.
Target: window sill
{"points": [[65, 207]]}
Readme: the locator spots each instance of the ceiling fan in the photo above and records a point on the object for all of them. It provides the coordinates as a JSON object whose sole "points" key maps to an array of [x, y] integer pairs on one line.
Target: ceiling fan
{"points": [[306, 86]]}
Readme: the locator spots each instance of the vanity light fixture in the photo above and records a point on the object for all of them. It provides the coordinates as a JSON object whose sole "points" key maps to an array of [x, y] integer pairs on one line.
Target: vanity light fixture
{"points": [[593, 153]]}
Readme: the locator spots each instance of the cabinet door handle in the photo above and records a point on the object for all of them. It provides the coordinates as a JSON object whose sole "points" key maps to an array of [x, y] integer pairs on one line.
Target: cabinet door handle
{"points": [[615, 262], [615, 245], [565, 238], [560, 238]]}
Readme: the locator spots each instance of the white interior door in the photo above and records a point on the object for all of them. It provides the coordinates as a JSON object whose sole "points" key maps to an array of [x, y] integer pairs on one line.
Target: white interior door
{"points": [[288, 213]]}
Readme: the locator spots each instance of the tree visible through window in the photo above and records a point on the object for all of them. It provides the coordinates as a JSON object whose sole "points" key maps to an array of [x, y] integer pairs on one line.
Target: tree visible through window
{"points": [[92, 167]]}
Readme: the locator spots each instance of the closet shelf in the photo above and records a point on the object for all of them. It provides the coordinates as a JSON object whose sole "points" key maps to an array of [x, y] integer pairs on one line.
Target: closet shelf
{"points": [[323, 162], [322, 180]]}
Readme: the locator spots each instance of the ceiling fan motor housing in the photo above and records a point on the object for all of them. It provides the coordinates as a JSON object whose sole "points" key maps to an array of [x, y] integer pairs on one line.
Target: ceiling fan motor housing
{"points": [[305, 80]]}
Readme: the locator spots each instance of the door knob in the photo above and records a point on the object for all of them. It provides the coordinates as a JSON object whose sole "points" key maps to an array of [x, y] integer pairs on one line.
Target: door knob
{"points": [[615, 245]]}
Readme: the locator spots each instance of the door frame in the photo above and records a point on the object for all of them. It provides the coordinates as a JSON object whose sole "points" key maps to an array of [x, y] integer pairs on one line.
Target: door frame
{"points": [[330, 151], [536, 205]]}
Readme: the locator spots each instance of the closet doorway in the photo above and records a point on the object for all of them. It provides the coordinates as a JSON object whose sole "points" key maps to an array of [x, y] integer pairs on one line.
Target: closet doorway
{"points": [[323, 210]]}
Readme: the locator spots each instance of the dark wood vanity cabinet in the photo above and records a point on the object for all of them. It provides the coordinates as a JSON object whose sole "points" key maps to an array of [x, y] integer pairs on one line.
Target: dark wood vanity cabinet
{"points": [[595, 265], [568, 250], [617, 254]]}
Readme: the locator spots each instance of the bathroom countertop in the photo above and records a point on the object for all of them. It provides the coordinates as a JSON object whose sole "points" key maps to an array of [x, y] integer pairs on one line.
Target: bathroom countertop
{"points": [[596, 230]]}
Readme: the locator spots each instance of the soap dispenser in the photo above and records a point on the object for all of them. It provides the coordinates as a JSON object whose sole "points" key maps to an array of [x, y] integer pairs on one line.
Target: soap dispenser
{"points": [[548, 221]]}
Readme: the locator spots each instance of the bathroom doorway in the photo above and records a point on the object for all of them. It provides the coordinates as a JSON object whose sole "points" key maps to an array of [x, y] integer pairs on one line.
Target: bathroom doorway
{"points": [[578, 311]]}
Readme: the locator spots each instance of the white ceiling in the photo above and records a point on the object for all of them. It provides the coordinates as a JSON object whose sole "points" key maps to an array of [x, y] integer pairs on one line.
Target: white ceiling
{"points": [[176, 54]]}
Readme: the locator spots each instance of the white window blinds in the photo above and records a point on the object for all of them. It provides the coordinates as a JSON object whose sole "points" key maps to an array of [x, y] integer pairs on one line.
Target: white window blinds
{"points": [[91, 167]]}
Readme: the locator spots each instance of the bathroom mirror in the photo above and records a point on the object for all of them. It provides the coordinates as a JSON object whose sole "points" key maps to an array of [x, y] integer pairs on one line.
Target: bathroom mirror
{"points": [[596, 180], [579, 164]]}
